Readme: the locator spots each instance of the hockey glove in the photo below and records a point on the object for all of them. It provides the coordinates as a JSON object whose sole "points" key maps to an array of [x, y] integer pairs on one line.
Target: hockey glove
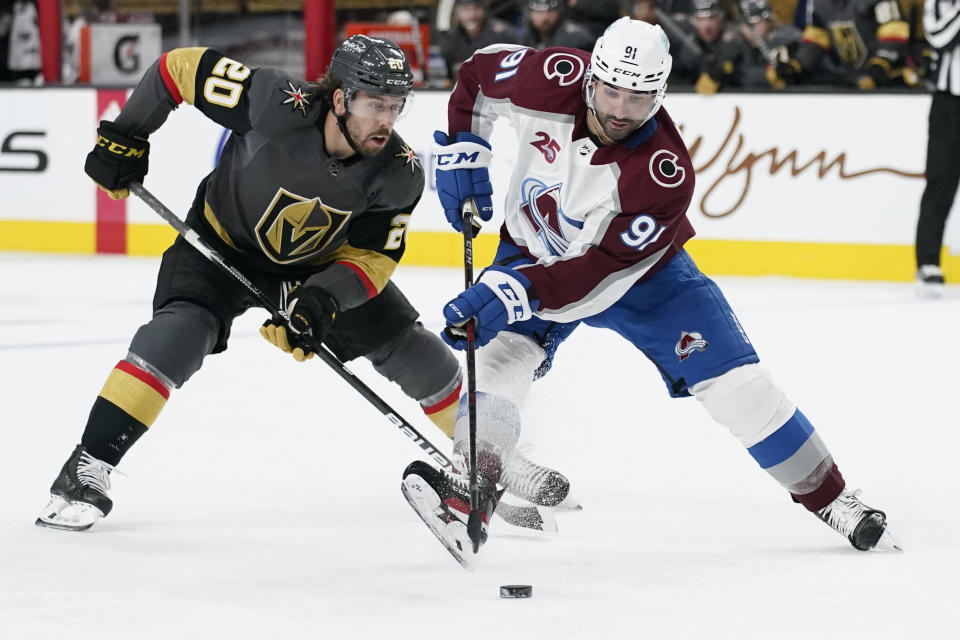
{"points": [[462, 173], [783, 69], [500, 297], [311, 311], [117, 160]]}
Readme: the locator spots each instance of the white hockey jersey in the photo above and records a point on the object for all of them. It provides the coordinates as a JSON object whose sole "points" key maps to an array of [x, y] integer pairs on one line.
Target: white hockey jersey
{"points": [[595, 219]]}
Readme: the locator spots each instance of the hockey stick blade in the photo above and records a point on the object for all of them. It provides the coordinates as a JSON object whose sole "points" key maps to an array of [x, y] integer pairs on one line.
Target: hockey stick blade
{"points": [[536, 518]]}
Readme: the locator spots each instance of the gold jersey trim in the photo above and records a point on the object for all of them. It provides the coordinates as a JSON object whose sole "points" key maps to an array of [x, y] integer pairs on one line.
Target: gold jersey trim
{"points": [[216, 226], [182, 65], [817, 36], [378, 267]]}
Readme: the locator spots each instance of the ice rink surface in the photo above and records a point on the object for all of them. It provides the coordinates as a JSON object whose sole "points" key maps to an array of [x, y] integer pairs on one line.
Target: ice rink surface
{"points": [[265, 502]]}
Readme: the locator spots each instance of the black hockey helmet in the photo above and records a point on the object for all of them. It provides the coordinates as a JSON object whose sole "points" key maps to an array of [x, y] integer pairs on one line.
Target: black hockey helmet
{"points": [[546, 5], [370, 64], [754, 10]]}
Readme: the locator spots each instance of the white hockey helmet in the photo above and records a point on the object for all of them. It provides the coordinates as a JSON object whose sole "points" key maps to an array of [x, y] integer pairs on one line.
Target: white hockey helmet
{"points": [[634, 56]]}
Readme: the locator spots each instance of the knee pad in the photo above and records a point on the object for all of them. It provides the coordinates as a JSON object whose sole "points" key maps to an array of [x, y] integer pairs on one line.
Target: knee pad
{"points": [[174, 343], [506, 366], [747, 401], [420, 363]]}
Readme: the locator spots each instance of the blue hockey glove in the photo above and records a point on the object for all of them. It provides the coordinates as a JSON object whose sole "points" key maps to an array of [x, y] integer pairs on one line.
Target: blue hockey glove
{"points": [[462, 173], [499, 298]]}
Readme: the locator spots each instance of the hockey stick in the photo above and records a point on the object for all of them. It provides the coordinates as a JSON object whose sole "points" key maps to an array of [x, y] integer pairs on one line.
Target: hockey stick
{"points": [[475, 521], [769, 56], [528, 517]]}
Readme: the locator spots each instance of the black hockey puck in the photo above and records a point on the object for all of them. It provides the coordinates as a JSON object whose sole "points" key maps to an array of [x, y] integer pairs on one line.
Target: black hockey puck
{"points": [[516, 591]]}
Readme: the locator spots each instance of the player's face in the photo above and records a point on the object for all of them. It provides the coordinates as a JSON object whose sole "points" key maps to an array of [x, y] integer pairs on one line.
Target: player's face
{"points": [[708, 27], [544, 21], [620, 111], [371, 121]]}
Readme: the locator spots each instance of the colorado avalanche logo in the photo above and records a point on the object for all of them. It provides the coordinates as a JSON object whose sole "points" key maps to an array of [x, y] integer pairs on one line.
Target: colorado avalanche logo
{"points": [[665, 170], [567, 68], [689, 342], [540, 206]]}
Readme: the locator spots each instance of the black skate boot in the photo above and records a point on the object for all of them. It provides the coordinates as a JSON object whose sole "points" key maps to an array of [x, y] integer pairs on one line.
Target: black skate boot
{"points": [[537, 484], [442, 500], [864, 526], [78, 496]]}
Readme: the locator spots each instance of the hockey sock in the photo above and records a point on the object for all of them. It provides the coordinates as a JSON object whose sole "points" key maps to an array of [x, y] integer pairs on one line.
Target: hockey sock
{"points": [[796, 457], [131, 399], [443, 413]]}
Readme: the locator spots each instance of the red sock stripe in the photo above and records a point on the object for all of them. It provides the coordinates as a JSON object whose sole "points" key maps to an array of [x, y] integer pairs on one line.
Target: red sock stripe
{"points": [[168, 80], [446, 402], [144, 377], [826, 493], [459, 505]]}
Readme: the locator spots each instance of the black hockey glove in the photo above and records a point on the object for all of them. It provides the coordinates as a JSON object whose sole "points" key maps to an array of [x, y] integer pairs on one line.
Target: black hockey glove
{"points": [[877, 73], [783, 70], [311, 311], [117, 160]]}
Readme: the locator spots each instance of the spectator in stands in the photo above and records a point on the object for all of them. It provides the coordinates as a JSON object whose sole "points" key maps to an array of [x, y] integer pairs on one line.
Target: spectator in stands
{"points": [[764, 38], [594, 15], [546, 26], [19, 42], [710, 54], [862, 44], [473, 29], [645, 10]]}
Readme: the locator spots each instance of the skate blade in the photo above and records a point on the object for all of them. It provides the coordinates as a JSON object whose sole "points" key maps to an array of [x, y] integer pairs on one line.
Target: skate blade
{"points": [[68, 516], [887, 542], [570, 503], [426, 504]]}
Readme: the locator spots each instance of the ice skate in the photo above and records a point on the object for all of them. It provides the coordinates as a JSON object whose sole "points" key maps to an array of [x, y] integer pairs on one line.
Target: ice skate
{"points": [[78, 496], [930, 281], [442, 500], [864, 526], [537, 484]]}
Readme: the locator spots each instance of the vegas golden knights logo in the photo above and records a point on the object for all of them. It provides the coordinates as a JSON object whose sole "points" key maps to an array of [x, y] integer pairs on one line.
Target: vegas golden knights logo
{"points": [[295, 228], [850, 48]]}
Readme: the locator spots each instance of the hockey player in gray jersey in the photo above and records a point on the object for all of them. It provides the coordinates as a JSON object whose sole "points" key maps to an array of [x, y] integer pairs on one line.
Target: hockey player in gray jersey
{"points": [[311, 201]]}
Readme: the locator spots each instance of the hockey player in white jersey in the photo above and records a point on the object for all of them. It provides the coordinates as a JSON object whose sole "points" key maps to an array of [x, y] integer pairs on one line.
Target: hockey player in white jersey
{"points": [[595, 223]]}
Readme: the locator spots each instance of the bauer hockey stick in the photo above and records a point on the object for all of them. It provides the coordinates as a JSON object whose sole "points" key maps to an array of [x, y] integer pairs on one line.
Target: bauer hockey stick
{"points": [[519, 516], [475, 521]]}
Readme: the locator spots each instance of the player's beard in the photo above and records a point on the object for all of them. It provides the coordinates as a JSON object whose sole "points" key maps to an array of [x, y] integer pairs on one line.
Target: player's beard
{"points": [[366, 138], [616, 129]]}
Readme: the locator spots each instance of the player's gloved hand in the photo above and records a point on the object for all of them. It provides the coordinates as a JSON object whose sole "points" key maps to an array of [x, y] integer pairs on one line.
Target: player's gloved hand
{"points": [[462, 173], [877, 73], [117, 160], [311, 311], [500, 297], [782, 69]]}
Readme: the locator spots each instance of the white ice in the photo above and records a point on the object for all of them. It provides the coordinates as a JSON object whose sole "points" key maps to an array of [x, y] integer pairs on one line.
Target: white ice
{"points": [[265, 501]]}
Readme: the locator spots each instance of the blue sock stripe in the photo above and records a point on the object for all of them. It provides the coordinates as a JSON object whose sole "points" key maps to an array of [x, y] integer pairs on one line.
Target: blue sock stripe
{"points": [[782, 443]]}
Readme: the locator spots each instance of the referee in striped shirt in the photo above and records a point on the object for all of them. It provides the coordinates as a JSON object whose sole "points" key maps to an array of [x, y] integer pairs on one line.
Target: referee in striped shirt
{"points": [[941, 20]]}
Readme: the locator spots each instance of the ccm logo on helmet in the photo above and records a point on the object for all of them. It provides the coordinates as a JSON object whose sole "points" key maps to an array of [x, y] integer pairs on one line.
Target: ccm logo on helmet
{"points": [[628, 73]]}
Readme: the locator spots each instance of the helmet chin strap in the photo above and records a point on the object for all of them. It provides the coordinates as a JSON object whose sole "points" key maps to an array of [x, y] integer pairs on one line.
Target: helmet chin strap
{"points": [[342, 122]]}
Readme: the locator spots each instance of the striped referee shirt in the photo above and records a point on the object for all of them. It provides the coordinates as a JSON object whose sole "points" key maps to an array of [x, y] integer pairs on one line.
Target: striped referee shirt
{"points": [[941, 20]]}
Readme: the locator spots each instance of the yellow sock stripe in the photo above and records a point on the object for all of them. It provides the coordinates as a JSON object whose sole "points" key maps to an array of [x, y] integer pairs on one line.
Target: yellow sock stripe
{"points": [[446, 418], [134, 396]]}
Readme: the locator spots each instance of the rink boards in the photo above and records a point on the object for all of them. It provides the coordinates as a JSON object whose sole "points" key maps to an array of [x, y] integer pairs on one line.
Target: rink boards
{"points": [[803, 185]]}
